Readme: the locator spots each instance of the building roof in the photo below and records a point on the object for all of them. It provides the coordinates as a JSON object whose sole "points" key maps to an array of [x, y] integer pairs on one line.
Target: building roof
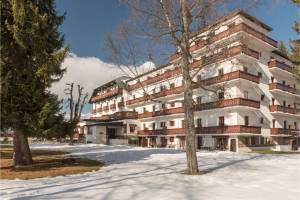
{"points": [[106, 124]]}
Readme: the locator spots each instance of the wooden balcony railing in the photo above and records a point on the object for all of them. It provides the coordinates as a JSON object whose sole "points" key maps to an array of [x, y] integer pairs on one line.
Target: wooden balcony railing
{"points": [[206, 82], [278, 108], [112, 106], [204, 106], [230, 52], [279, 86], [230, 76], [282, 131], [276, 64], [237, 28], [107, 94], [205, 130], [121, 104], [99, 109], [118, 116], [124, 115], [229, 129], [105, 108], [228, 103]]}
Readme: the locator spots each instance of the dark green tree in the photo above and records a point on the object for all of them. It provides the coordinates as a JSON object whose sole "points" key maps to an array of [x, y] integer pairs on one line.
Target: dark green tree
{"points": [[295, 44], [282, 48], [32, 50]]}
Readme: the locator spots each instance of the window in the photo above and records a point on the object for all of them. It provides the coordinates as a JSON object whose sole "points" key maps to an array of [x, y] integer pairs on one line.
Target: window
{"points": [[246, 119], [261, 120], [153, 126], [144, 109], [172, 123], [171, 139], [295, 125], [245, 69], [131, 128], [262, 97], [285, 124], [259, 74], [284, 103], [199, 78], [163, 124], [199, 122], [221, 95], [273, 123], [220, 72], [231, 25], [133, 96], [172, 85], [272, 79], [221, 121], [246, 94], [273, 101], [199, 100], [90, 131], [182, 123], [153, 108], [145, 127], [172, 104], [283, 82], [163, 106]]}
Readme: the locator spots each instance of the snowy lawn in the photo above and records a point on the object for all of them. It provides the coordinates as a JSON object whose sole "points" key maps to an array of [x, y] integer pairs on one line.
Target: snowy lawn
{"points": [[140, 173]]}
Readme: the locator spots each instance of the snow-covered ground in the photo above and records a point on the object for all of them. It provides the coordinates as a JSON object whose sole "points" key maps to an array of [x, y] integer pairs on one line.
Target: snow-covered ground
{"points": [[140, 173]]}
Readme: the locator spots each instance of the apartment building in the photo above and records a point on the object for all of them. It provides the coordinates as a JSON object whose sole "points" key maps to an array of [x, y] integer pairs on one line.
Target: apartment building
{"points": [[243, 89]]}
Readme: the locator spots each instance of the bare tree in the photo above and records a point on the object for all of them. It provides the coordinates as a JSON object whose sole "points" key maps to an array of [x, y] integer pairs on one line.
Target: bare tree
{"points": [[75, 107], [167, 23]]}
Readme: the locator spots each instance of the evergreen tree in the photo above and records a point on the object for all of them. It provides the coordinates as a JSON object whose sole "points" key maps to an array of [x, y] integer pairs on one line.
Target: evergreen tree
{"points": [[282, 48], [295, 45], [32, 50]]}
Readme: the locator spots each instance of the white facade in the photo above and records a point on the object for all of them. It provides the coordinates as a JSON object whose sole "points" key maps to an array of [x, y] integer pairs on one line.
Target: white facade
{"points": [[249, 97]]}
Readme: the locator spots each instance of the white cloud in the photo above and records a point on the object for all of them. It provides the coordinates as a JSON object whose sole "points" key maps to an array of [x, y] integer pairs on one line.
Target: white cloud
{"points": [[89, 72]]}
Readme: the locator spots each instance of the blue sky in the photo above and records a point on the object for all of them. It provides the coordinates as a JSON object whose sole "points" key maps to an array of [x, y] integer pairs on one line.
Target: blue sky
{"points": [[88, 21]]}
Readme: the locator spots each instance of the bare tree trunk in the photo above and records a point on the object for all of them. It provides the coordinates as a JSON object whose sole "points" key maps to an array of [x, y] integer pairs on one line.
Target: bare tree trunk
{"points": [[22, 154], [71, 139], [192, 164]]}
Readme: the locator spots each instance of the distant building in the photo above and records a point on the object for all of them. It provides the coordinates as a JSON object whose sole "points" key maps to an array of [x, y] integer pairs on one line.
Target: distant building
{"points": [[255, 107]]}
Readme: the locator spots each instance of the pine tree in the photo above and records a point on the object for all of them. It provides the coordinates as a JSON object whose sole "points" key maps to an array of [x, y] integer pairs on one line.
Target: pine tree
{"points": [[295, 44], [282, 48], [32, 50]]}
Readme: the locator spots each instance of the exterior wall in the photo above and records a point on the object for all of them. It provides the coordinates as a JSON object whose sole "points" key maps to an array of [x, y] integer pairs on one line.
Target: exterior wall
{"points": [[253, 86]]}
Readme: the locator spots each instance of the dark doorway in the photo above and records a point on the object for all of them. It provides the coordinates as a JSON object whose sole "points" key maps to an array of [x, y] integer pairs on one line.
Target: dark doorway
{"points": [[233, 145]]}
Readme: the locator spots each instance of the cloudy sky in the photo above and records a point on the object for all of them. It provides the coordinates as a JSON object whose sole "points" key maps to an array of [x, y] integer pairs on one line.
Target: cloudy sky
{"points": [[87, 22]]}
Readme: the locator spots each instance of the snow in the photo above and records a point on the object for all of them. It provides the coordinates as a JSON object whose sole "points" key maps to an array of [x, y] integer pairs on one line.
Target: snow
{"points": [[139, 173]]}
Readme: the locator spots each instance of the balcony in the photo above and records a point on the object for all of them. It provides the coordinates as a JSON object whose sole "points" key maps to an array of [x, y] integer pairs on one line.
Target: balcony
{"points": [[206, 82], [278, 108], [163, 112], [228, 103], [230, 76], [105, 108], [274, 64], [112, 106], [235, 29], [121, 104], [286, 88], [204, 106], [124, 115], [205, 130], [230, 52], [282, 131], [229, 129], [108, 93]]}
